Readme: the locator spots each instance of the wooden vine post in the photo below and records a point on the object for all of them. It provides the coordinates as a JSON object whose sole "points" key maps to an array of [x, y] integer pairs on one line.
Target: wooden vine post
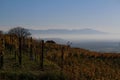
{"points": [[42, 55], [10, 44], [62, 59], [16, 46], [35, 52], [31, 49], [20, 51], [2, 53]]}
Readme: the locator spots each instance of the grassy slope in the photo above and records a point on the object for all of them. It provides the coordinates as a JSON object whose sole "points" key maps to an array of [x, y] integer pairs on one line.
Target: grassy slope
{"points": [[79, 64], [30, 70]]}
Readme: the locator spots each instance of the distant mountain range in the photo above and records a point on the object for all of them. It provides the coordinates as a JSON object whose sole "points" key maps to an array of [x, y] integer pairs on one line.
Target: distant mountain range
{"points": [[65, 31]]}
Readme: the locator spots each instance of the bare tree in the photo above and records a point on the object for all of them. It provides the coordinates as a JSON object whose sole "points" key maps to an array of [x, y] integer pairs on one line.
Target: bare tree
{"points": [[20, 33]]}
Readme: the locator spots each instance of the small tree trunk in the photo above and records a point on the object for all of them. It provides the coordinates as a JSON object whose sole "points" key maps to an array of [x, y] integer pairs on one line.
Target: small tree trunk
{"points": [[20, 52]]}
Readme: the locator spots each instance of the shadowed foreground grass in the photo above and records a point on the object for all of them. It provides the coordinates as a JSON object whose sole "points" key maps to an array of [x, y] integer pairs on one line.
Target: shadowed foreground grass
{"points": [[30, 70]]}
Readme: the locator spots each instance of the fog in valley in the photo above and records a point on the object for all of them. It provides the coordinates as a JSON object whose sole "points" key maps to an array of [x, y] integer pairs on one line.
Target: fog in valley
{"points": [[94, 42]]}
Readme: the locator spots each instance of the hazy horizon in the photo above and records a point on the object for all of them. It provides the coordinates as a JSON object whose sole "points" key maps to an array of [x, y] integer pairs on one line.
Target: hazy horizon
{"points": [[78, 37], [81, 37]]}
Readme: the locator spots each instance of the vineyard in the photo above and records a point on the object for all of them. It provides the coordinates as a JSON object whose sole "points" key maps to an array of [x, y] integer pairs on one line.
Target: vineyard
{"points": [[25, 58]]}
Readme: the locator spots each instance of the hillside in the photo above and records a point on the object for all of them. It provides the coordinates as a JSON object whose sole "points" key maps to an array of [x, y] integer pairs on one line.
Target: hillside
{"points": [[81, 64], [61, 62]]}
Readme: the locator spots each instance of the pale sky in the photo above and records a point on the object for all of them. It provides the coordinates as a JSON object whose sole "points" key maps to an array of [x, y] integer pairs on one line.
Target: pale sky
{"points": [[103, 15]]}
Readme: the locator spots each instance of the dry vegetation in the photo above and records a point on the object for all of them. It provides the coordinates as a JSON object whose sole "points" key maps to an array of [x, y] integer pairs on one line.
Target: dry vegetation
{"points": [[60, 62]]}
